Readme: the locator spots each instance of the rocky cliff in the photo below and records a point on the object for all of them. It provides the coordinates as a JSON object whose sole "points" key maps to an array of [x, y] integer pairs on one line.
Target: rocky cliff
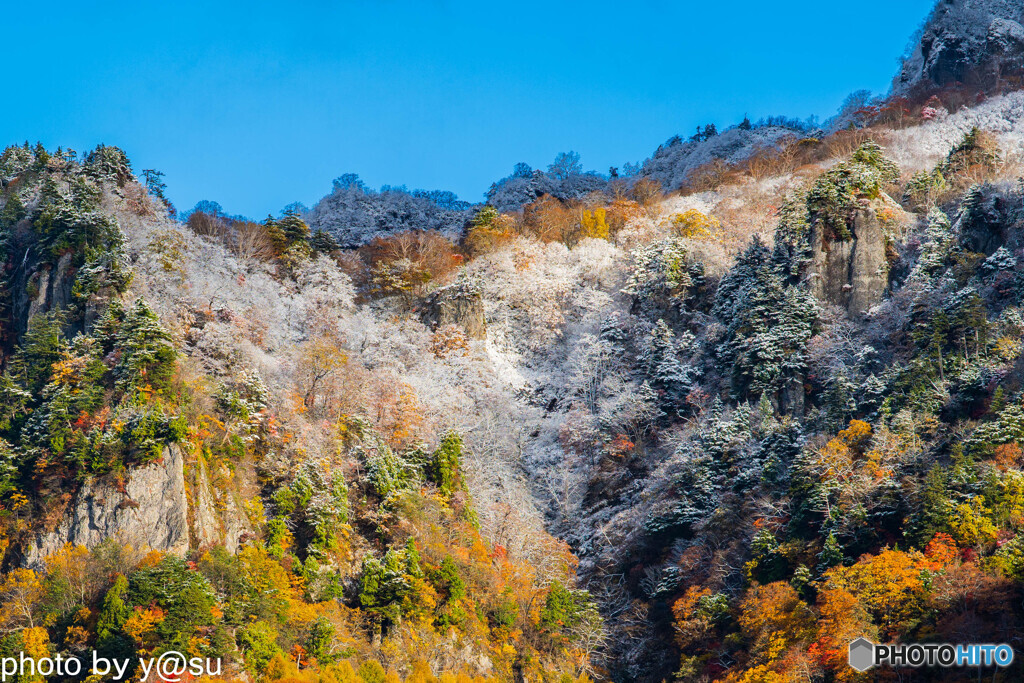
{"points": [[151, 509], [979, 43], [852, 273], [458, 304]]}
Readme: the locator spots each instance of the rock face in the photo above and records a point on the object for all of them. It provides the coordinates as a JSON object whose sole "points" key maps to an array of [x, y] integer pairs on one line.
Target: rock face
{"points": [[458, 304], [206, 525], [150, 512], [851, 273], [40, 289], [979, 43]]}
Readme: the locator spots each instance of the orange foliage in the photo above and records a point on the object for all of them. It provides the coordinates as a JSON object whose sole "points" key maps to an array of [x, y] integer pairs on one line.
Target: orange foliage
{"points": [[620, 213], [550, 220], [773, 618], [449, 340], [841, 618], [941, 550], [428, 256], [1008, 455], [889, 585], [856, 435]]}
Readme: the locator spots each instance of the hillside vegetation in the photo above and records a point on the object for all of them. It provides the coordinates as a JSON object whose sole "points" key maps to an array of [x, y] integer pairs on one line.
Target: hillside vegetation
{"points": [[708, 418]]}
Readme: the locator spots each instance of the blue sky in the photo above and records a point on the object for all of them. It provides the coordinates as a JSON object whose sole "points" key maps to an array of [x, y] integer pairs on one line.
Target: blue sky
{"points": [[260, 104]]}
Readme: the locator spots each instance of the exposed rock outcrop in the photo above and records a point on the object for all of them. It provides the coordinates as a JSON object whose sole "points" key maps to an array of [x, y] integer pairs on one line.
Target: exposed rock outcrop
{"points": [[458, 304], [40, 289], [151, 511], [979, 43], [852, 273], [214, 516]]}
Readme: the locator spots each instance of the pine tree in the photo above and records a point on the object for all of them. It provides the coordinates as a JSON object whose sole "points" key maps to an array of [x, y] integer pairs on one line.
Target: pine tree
{"points": [[147, 352], [293, 227], [661, 358], [12, 212], [769, 323]]}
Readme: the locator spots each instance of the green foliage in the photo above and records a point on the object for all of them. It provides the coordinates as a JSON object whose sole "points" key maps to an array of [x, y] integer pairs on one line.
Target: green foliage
{"points": [[1007, 427], [315, 504], [444, 466], [769, 323], [662, 272], [566, 610], [385, 583], [976, 148], [14, 161], [12, 212], [320, 640], [923, 188], [387, 473], [147, 354], [259, 643], [185, 596], [64, 222], [103, 268], [114, 612], [8, 468], [324, 242], [42, 345], [485, 216], [108, 163], [293, 227], [446, 578], [288, 235], [832, 199], [91, 403], [795, 221]]}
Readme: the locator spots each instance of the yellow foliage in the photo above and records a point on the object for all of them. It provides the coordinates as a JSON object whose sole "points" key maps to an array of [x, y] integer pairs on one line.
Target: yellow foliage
{"points": [[692, 224], [889, 585], [483, 239], [20, 593], [761, 674], [1007, 349], [35, 642], [68, 370], [141, 626], [594, 224], [971, 523], [152, 559], [856, 435]]}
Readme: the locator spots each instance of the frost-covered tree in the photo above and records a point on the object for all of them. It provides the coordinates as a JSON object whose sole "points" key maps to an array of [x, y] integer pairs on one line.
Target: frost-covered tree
{"points": [[768, 325]]}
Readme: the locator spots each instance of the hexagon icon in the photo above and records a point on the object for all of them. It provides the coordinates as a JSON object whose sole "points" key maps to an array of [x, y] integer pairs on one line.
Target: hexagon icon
{"points": [[862, 654]]}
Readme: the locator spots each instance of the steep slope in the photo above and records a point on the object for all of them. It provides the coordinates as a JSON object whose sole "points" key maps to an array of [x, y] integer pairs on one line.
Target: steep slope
{"points": [[337, 478], [977, 43]]}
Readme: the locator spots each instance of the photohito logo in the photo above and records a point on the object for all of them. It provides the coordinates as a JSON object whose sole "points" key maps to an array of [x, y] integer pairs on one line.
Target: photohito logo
{"points": [[864, 655]]}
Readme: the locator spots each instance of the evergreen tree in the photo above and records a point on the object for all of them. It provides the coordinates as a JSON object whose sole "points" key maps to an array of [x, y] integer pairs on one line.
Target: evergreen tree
{"points": [[147, 352], [769, 323], [113, 612]]}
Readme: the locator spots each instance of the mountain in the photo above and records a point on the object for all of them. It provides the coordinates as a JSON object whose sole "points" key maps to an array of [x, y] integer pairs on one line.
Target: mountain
{"points": [[977, 43], [709, 418]]}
